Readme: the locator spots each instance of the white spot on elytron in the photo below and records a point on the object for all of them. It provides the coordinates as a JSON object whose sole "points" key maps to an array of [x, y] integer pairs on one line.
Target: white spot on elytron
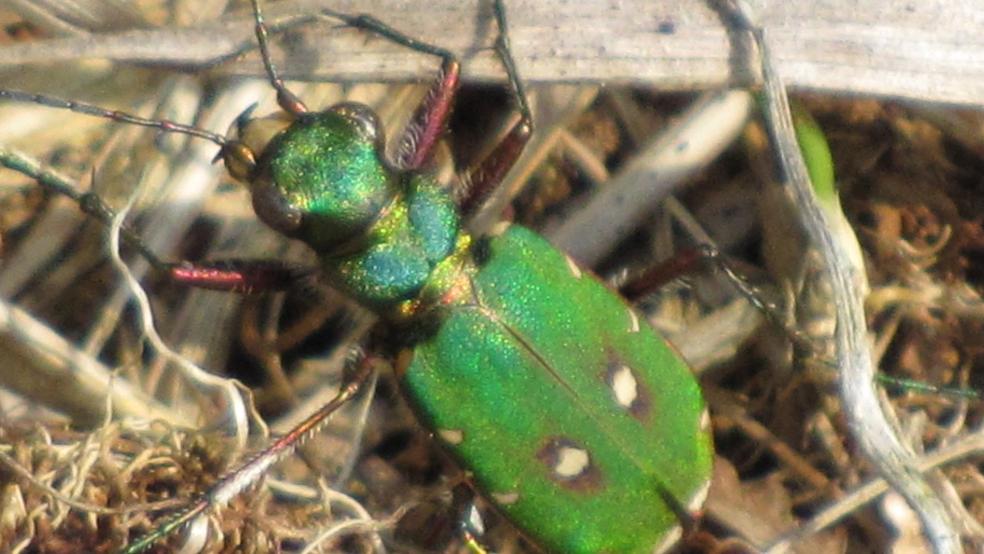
{"points": [[452, 436], [669, 540], [624, 386], [572, 265], [505, 498], [633, 322], [705, 420], [571, 462], [698, 498]]}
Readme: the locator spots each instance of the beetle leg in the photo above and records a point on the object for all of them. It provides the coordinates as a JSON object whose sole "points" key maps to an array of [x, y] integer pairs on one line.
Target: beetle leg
{"points": [[255, 467], [430, 118], [241, 276], [708, 256], [90, 203], [480, 180]]}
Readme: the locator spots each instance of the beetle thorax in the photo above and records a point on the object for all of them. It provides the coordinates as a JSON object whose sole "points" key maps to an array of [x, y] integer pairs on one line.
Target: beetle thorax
{"points": [[397, 256]]}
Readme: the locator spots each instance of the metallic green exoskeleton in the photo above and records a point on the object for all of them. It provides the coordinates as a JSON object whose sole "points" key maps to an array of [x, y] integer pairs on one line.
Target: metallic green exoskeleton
{"points": [[567, 410], [573, 415], [575, 418]]}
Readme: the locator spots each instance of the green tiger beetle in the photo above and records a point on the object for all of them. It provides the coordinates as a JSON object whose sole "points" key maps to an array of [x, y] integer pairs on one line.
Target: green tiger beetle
{"points": [[568, 412], [573, 417], [565, 410]]}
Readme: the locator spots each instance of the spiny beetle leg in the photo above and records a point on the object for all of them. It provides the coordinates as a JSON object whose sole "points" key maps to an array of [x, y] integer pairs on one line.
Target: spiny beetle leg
{"points": [[481, 180], [504, 50], [656, 276], [90, 203], [431, 116], [703, 256], [241, 276], [429, 119], [360, 368]]}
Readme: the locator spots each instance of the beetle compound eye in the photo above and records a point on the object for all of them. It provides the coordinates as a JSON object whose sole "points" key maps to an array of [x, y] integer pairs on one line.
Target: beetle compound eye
{"points": [[274, 209], [366, 121]]}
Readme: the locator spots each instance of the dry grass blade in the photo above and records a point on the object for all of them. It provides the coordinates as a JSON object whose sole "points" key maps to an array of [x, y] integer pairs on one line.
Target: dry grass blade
{"points": [[931, 52]]}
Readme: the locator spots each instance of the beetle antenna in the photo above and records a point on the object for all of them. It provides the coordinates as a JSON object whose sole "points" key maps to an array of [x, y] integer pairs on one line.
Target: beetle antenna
{"points": [[285, 98], [164, 125]]}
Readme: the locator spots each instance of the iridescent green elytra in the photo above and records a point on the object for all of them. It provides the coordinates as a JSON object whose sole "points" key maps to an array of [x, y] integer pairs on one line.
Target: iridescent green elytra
{"points": [[573, 416]]}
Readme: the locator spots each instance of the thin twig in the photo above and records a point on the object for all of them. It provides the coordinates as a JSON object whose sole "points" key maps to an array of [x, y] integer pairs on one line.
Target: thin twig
{"points": [[868, 422]]}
